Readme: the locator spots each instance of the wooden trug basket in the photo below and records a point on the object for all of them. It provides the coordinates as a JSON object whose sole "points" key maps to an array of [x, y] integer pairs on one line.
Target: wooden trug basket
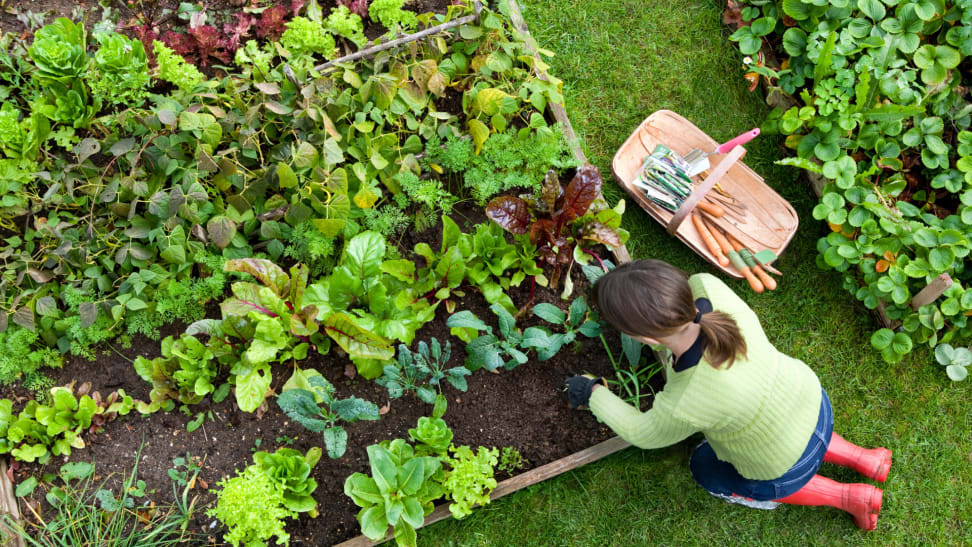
{"points": [[770, 221]]}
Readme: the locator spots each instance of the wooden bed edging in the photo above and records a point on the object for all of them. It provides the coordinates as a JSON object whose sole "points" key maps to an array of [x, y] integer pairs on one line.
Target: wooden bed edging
{"points": [[542, 473]]}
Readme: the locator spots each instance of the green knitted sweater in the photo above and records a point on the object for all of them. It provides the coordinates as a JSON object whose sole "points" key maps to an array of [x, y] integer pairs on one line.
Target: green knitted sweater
{"points": [[758, 414]]}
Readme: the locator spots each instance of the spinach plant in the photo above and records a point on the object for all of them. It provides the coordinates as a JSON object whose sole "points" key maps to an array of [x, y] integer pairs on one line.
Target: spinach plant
{"points": [[576, 321], [308, 399], [488, 350]]}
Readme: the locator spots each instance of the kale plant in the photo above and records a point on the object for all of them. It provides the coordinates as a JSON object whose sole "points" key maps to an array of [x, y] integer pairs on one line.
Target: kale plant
{"points": [[308, 399], [417, 371]]}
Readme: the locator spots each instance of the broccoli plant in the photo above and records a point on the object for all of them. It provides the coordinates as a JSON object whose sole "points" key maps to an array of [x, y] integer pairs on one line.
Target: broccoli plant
{"points": [[548, 343], [955, 361], [308, 399], [422, 371], [488, 350]]}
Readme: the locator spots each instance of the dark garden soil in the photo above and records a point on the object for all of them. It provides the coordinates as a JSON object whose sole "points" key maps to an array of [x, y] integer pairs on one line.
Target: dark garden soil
{"points": [[524, 408]]}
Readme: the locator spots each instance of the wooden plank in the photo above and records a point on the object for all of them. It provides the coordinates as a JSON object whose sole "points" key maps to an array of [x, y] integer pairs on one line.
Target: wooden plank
{"points": [[931, 292], [519, 482], [368, 52], [9, 507]]}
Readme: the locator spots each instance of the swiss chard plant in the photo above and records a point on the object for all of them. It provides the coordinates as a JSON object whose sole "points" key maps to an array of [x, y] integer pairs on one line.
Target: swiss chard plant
{"points": [[576, 321], [559, 223], [309, 399], [485, 349], [423, 371]]}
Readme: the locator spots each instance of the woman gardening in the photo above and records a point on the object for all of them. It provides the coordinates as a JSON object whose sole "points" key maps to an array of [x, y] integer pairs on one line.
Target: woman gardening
{"points": [[767, 422]]}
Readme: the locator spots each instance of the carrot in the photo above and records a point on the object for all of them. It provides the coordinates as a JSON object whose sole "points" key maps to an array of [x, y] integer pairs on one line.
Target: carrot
{"points": [[711, 208], [709, 240]]}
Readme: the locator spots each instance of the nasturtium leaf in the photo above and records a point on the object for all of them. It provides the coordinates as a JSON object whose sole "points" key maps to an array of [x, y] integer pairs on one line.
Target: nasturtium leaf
{"points": [[882, 338]]}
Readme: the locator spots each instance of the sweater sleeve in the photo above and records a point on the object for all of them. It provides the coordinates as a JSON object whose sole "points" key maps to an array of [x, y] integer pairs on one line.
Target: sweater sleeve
{"points": [[653, 429]]}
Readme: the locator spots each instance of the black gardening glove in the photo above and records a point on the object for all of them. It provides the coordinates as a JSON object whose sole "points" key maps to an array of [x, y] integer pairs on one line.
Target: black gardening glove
{"points": [[579, 389]]}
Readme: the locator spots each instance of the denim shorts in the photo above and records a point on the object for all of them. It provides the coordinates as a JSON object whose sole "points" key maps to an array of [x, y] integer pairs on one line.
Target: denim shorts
{"points": [[721, 477]]}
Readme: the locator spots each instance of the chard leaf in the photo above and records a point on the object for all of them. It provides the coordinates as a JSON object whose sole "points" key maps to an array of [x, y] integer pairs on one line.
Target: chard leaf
{"points": [[583, 189], [512, 213], [266, 271], [356, 341]]}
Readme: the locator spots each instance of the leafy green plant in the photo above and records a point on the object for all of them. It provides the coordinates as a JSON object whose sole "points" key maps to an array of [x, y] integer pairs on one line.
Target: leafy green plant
{"points": [[469, 479], [390, 14], [433, 436], [575, 321], [347, 25], [174, 69], [291, 470], [308, 399], [183, 373], [119, 73], [59, 51], [487, 350], [252, 506], [304, 36], [21, 360], [955, 361], [511, 461], [399, 493], [422, 371]]}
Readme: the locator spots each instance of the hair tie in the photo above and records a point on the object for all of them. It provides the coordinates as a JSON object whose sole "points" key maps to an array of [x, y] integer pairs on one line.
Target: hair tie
{"points": [[698, 317]]}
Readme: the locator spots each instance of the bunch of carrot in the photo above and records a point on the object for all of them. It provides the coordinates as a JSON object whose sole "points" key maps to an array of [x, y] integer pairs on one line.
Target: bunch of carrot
{"points": [[727, 249]]}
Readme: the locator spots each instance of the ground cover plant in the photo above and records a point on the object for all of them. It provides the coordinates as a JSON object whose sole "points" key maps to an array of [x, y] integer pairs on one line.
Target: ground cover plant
{"points": [[253, 181], [880, 110]]}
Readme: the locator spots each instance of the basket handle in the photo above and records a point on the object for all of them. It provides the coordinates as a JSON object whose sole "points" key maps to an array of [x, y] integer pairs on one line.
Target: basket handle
{"points": [[703, 188]]}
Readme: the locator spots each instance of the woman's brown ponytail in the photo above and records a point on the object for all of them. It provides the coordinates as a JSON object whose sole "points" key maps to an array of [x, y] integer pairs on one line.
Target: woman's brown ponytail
{"points": [[652, 298], [724, 341]]}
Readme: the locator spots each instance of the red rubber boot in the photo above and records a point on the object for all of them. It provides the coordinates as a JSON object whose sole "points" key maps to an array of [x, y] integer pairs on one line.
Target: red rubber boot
{"points": [[873, 463], [862, 501]]}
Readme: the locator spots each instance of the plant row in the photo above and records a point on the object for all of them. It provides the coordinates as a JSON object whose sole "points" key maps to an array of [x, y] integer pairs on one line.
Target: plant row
{"points": [[881, 110]]}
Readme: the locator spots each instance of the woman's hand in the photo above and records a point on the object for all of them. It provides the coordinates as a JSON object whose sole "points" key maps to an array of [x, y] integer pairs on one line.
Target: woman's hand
{"points": [[579, 389]]}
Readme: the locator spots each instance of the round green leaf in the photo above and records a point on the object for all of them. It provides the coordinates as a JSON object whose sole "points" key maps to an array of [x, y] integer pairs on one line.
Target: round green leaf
{"points": [[956, 373], [882, 339], [901, 343]]}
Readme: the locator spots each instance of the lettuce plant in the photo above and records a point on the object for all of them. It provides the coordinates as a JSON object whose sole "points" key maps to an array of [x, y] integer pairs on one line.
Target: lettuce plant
{"points": [[346, 24], [432, 435], [469, 479], [59, 52], [184, 373], [308, 399], [68, 105], [120, 70], [306, 37], [174, 69], [291, 470], [399, 493], [390, 14]]}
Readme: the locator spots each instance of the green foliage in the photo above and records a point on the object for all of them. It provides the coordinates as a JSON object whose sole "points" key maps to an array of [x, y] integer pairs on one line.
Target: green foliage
{"points": [[422, 372], [432, 435], [576, 321], [291, 470], [390, 14], [516, 159], [429, 194], [86, 513], [120, 71], [470, 478], [308, 245], [346, 24], [184, 373], [388, 220], [955, 361], [174, 69], [511, 461], [21, 359], [59, 52], [252, 506], [304, 37], [488, 350], [308, 399], [40, 430], [880, 111], [399, 493]]}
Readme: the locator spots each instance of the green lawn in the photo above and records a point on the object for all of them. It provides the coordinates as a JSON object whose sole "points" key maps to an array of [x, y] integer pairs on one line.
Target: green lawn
{"points": [[620, 61]]}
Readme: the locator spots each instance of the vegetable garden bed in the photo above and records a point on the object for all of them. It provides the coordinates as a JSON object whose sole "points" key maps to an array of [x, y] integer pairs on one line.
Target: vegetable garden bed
{"points": [[520, 408]]}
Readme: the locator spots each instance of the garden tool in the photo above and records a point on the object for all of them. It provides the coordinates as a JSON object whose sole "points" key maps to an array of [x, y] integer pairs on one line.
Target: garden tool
{"points": [[709, 240], [750, 261], [698, 160], [737, 261]]}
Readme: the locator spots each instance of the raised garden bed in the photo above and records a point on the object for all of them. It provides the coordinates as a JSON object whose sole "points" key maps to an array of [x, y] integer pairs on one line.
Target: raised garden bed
{"points": [[522, 408]]}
